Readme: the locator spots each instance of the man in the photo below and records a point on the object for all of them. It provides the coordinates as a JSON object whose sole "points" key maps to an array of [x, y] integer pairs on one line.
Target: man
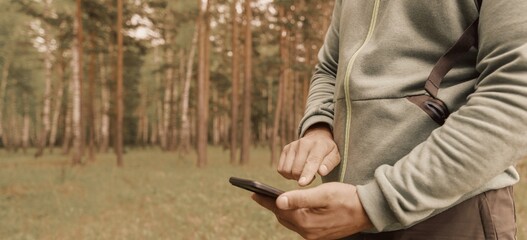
{"points": [[392, 170]]}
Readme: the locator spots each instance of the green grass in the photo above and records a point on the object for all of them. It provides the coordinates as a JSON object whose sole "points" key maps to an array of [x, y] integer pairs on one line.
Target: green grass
{"points": [[157, 195]]}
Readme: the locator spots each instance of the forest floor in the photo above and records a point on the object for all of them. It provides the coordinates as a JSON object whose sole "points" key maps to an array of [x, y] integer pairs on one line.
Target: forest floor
{"points": [[157, 195]]}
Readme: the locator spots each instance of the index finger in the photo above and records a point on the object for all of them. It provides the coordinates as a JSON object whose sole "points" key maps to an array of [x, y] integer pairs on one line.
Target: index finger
{"points": [[310, 169]]}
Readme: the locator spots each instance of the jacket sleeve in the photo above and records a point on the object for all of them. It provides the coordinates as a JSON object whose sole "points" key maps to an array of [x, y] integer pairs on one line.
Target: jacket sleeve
{"points": [[320, 107], [477, 143]]}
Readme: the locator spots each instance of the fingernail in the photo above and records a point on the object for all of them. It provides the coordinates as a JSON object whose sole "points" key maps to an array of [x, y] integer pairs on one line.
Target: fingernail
{"points": [[302, 181], [323, 169], [282, 202]]}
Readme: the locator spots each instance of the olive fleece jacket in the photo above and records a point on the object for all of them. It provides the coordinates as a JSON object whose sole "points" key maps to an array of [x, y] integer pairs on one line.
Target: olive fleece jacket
{"points": [[406, 167]]}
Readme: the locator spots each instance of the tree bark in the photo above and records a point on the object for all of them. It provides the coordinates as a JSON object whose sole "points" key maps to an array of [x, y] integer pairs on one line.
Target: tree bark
{"points": [[76, 87], [247, 88], [119, 95], [185, 97], [215, 118], [281, 90], [145, 130], [203, 103], [15, 141], [235, 83], [176, 95], [26, 124], [141, 112], [48, 65], [105, 106], [3, 87], [169, 81], [58, 103], [68, 116], [157, 127], [91, 96]]}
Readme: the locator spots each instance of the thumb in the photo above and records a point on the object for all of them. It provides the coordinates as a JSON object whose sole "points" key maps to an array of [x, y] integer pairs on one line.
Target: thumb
{"points": [[305, 198]]}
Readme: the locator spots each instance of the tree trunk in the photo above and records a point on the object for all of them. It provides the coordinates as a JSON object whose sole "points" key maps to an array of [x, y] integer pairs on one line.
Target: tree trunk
{"points": [[292, 90], [91, 96], [119, 100], [281, 90], [235, 83], [3, 87], [159, 128], [68, 116], [46, 108], [15, 141], [158, 123], [175, 103], [26, 124], [145, 130], [76, 87], [203, 103], [57, 105], [105, 106], [247, 87], [169, 81], [140, 116], [215, 119], [185, 123]]}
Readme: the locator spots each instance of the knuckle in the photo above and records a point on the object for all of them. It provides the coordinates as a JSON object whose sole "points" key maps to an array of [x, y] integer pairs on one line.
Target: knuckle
{"points": [[311, 236], [287, 175], [305, 142], [296, 175], [305, 235], [291, 150], [295, 172], [285, 150], [314, 158], [283, 173], [308, 230]]}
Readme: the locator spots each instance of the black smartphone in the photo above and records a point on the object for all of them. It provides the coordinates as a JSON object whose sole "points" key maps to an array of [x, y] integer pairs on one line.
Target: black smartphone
{"points": [[256, 187]]}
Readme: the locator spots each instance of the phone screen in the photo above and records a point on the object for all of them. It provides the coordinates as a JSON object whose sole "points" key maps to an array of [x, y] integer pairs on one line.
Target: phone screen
{"points": [[256, 187]]}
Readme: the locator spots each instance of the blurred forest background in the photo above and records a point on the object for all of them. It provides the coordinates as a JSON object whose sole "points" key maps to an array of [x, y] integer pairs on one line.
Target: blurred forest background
{"points": [[91, 76], [173, 85]]}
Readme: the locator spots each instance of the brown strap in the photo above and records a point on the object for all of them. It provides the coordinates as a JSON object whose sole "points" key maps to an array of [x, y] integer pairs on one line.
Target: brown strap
{"points": [[478, 4], [433, 106], [468, 40]]}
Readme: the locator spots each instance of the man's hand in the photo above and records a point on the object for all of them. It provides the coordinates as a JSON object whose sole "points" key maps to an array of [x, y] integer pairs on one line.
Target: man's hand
{"points": [[315, 152], [329, 211]]}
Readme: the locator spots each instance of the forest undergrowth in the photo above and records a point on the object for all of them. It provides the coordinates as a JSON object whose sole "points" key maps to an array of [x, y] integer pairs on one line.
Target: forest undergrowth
{"points": [[156, 195]]}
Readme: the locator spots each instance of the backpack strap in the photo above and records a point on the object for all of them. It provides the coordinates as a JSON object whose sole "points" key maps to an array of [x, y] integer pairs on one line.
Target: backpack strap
{"points": [[432, 105], [468, 40], [478, 4]]}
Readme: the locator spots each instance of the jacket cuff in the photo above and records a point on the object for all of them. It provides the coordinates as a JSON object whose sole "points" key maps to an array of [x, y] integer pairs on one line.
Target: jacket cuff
{"points": [[310, 121], [376, 206]]}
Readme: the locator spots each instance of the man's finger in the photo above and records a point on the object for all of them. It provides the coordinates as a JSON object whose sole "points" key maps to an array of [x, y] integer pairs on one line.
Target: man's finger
{"points": [[289, 161], [329, 162], [316, 197], [302, 153], [310, 169], [281, 162]]}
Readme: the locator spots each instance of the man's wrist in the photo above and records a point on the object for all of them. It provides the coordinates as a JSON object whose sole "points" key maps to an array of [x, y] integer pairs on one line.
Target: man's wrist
{"points": [[319, 128], [366, 224]]}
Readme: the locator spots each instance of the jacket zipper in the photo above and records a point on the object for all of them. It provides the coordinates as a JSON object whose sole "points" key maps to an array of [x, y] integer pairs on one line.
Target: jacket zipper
{"points": [[347, 89]]}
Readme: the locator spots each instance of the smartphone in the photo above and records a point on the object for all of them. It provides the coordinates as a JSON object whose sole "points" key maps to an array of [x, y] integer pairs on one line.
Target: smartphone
{"points": [[256, 187]]}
